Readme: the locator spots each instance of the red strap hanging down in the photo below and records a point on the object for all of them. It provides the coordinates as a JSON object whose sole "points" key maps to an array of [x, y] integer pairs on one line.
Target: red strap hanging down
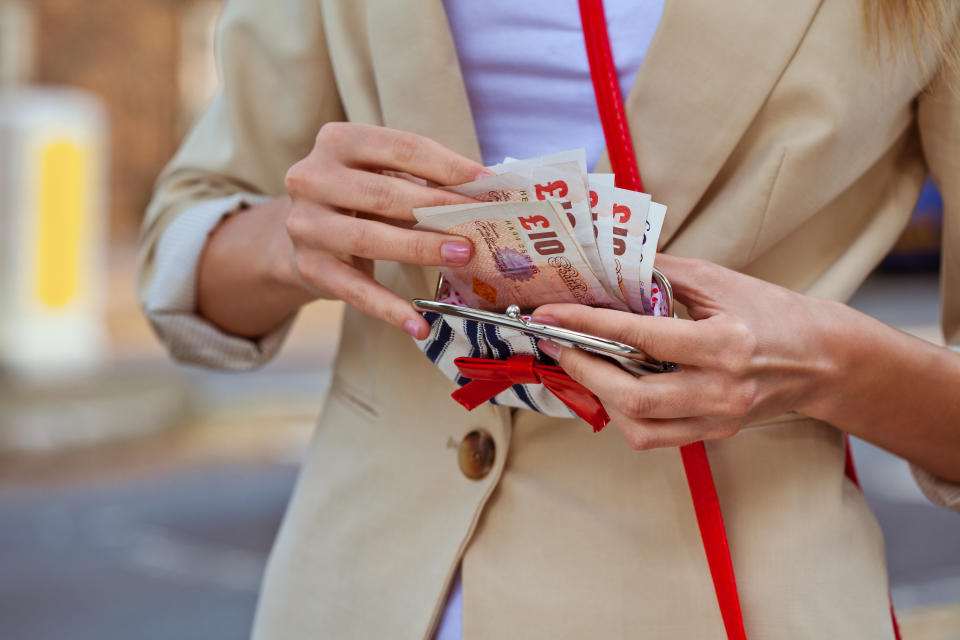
{"points": [[706, 504], [696, 465]]}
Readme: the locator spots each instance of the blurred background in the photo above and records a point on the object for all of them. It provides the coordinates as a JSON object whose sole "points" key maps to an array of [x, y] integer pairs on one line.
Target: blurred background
{"points": [[138, 498]]}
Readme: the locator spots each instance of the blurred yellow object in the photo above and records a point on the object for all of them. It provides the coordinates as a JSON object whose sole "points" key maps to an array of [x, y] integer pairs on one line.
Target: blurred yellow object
{"points": [[52, 231], [63, 185]]}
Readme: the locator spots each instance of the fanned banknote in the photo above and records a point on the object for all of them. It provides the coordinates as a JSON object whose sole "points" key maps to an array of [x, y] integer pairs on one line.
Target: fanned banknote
{"points": [[523, 255], [515, 164], [562, 182], [648, 251], [547, 231], [621, 218]]}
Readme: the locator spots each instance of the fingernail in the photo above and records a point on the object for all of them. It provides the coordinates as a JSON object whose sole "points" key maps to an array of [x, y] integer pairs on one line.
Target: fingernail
{"points": [[545, 319], [484, 173], [413, 328], [550, 348], [456, 252]]}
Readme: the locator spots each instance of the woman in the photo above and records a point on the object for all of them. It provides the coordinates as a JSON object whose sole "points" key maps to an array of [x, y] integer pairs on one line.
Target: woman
{"points": [[790, 145]]}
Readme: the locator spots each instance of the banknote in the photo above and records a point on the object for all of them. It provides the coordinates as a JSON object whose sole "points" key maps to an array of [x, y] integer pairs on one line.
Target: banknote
{"points": [[651, 238], [628, 228], [600, 179], [621, 217], [523, 255], [427, 212], [573, 155], [563, 182], [600, 186], [509, 187], [576, 155]]}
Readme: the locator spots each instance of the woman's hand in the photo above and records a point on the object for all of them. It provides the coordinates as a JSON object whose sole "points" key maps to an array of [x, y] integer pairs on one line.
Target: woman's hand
{"points": [[752, 351], [344, 211]]}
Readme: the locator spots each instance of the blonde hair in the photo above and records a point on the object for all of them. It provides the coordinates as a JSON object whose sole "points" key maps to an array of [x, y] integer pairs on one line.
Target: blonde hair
{"points": [[928, 24]]}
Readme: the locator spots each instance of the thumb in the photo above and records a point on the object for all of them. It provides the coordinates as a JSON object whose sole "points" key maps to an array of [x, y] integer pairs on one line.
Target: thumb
{"points": [[699, 285]]}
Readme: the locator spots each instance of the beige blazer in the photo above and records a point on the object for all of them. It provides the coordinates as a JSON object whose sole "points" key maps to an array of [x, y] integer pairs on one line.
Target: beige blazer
{"points": [[782, 147]]}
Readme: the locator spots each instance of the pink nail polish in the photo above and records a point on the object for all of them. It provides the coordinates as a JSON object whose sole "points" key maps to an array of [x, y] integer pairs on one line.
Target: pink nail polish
{"points": [[551, 349], [456, 253], [413, 328], [545, 319]]}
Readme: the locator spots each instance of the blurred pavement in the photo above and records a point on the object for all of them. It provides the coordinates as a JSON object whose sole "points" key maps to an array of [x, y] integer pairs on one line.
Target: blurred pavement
{"points": [[178, 555]]}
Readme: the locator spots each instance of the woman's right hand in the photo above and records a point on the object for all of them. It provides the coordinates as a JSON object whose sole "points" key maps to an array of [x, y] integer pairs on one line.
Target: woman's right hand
{"points": [[345, 212]]}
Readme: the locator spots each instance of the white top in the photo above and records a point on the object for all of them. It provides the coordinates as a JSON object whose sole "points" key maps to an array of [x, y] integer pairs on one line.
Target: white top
{"points": [[527, 76]]}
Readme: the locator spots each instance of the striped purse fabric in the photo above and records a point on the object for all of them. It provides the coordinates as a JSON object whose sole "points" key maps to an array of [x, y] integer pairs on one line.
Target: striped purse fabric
{"points": [[451, 338]]}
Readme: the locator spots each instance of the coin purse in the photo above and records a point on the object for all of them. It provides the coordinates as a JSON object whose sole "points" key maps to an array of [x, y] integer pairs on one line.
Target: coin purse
{"points": [[495, 357]]}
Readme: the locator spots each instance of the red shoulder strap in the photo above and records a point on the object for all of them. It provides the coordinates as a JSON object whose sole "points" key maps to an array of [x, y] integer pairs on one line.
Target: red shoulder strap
{"points": [[696, 465], [706, 504], [606, 86]]}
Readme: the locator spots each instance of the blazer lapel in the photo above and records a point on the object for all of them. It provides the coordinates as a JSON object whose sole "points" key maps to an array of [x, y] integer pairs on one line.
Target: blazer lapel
{"points": [[417, 73], [706, 74]]}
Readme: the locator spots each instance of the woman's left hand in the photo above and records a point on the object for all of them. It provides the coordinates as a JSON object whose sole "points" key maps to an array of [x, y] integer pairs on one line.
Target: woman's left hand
{"points": [[752, 351]]}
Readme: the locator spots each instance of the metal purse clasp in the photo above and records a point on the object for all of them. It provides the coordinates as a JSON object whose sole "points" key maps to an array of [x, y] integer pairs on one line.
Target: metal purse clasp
{"points": [[665, 289], [630, 358]]}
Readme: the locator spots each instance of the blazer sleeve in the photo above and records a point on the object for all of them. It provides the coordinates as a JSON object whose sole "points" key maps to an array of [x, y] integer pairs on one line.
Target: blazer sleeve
{"points": [[938, 117], [277, 90]]}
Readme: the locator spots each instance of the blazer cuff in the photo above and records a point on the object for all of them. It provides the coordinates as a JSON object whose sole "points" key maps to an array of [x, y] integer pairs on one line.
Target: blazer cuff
{"points": [[170, 303], [939, 491]]}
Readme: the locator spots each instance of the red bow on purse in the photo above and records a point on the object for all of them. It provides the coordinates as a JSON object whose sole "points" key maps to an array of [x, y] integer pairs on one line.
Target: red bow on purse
{"points": [[491, 377]]}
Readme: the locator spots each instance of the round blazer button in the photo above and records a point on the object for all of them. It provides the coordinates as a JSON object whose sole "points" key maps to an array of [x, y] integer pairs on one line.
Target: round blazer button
{"points": [[476, 454]]}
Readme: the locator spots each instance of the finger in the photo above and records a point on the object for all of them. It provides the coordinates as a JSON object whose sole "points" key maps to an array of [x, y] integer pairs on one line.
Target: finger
{"points": [[393, 222], [661, 396], [644, 435], [411, 153], [347, 235], [670, 339], [368, 192], [359, 290], [699, 285]]}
